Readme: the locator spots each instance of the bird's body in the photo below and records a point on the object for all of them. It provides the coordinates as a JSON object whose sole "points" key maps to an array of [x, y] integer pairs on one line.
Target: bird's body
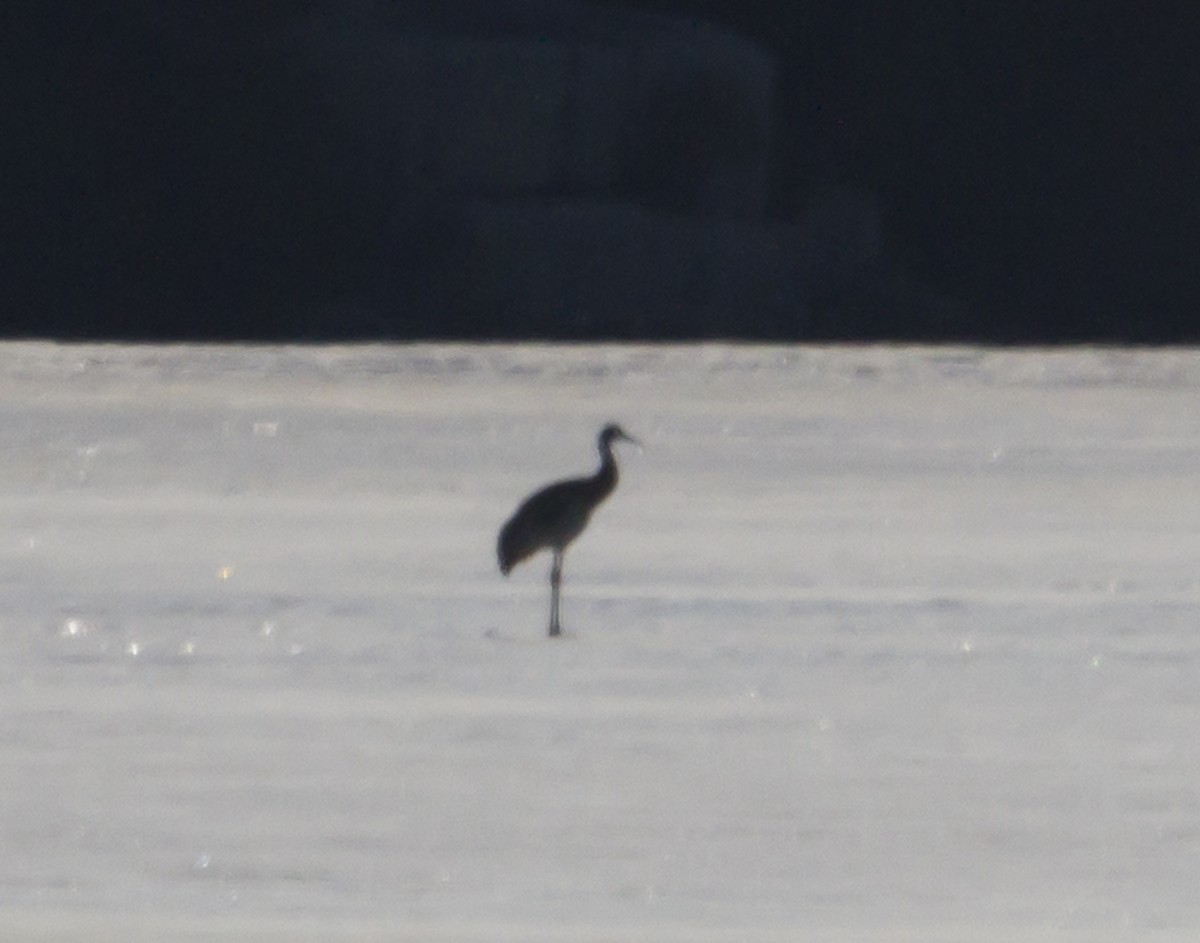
{"points": [[549, 519]]}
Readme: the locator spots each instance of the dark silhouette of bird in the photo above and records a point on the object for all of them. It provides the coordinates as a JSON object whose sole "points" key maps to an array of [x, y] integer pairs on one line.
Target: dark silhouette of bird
{"points": [[551, 518]]}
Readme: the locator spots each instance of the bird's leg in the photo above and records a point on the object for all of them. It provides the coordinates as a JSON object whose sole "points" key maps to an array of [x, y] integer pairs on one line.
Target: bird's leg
{"points": [[555, 582]]}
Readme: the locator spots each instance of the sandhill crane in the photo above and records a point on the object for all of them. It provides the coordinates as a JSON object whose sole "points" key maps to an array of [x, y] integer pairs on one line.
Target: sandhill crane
{"points": [[554, 516]]}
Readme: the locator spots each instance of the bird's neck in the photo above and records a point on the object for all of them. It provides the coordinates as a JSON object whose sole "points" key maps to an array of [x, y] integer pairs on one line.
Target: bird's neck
{"points": [[605, 478]]}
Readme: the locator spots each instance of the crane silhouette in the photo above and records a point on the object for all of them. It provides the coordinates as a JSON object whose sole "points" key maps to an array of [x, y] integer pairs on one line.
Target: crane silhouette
{"points": [[555, 515]]}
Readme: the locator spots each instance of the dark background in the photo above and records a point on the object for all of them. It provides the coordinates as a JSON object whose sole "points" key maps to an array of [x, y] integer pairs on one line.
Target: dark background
{"points": [[1034, 165]]}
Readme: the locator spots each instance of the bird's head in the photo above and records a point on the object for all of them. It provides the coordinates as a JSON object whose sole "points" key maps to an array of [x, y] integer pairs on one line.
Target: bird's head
{"points": [[614, 433]]}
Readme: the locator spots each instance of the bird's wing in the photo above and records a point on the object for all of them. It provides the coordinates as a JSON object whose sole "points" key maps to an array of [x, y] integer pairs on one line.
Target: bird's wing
{"points": [[551, 517]]}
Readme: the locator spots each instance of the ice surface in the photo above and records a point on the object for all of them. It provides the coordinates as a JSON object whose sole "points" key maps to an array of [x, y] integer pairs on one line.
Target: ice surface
{"points": [[869, 644]]}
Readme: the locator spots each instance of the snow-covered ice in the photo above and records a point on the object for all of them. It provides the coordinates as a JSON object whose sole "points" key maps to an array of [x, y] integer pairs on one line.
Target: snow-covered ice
{"points": [[869, 644]]}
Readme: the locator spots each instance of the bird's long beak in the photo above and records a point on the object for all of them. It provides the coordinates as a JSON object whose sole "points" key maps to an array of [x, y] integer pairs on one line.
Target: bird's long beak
{"points": [[630, 439]]}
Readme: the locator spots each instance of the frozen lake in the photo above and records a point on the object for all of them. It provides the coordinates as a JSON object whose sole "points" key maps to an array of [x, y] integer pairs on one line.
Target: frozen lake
{"points": [[870, 644]]}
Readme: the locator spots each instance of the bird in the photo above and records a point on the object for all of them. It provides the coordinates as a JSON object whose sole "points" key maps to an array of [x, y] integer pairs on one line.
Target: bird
{"points": [[553, 516]]}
